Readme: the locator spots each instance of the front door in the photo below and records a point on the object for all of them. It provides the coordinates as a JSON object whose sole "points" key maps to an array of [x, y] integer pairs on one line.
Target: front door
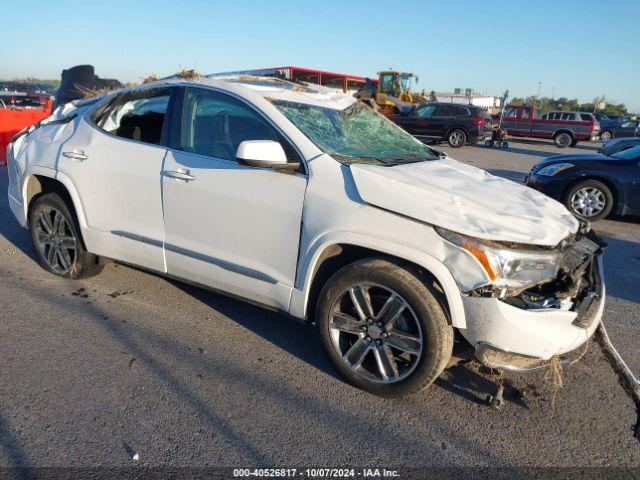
{"points": [[230, 226], [627, 129], [423, 122], [115, 162]]}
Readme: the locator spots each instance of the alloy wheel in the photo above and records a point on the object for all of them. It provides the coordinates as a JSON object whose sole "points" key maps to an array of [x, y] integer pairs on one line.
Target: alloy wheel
{"points": [[456, 138], [605, 136], [56, 240], [375, 332], [588, 202]]}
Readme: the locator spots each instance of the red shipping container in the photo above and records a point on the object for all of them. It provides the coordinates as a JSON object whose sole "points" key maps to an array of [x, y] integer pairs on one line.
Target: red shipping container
{"points": [[12, 121]]}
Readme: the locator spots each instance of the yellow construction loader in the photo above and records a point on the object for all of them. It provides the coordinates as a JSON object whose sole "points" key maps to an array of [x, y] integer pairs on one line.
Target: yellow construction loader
{"points": [[393, 92]]}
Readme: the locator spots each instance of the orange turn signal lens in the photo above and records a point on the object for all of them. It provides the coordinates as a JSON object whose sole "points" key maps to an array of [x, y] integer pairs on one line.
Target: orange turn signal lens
{"points": [[482, 258]]}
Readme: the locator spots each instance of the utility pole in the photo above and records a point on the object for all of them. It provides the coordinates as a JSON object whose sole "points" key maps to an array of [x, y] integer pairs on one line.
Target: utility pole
{"points": [[539, 92]]}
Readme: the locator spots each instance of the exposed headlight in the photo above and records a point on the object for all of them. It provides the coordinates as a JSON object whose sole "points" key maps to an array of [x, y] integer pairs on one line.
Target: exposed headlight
{"points": [[509, 268], [551, 170]]}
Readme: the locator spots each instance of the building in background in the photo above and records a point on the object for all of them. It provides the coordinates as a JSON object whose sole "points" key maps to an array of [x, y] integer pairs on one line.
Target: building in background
{"points": [[467, 97], [341, 81]]}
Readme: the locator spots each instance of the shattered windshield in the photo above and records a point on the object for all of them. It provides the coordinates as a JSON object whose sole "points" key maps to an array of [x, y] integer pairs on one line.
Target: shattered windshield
{"points": [[356, 134]]}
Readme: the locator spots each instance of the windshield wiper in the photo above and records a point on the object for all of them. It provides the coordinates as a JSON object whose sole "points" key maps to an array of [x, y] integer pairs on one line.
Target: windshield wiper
{"points": [[411, 158]]}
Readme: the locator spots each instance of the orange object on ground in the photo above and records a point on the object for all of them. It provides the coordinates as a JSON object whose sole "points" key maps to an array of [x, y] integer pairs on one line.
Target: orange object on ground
{"points": [[12, 121]]}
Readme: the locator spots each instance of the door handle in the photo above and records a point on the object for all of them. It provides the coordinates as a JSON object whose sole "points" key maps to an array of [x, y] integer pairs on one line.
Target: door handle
{"points": [[180, 175], [76, 155]]}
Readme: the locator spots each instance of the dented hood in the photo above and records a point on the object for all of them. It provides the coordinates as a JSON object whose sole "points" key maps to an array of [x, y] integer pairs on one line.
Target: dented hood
{"points": [[465, 199]]}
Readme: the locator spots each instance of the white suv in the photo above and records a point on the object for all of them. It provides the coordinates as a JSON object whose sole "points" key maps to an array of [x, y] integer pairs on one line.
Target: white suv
{"points": [[300, 198]]}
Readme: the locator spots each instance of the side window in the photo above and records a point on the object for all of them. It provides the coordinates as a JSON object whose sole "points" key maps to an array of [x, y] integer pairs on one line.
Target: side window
{"points": [[462, 112], [510, 112], [214, 124], [524, 113], [568, 116], [544, 117], [445, 111], [426, 111], [137, 116], [585, 117]]}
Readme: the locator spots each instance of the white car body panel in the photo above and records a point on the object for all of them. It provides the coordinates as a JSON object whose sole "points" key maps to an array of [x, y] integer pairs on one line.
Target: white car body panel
{"points": [[260, 234], [240, 219], [335, 214], [467, 200], [119, 188]]}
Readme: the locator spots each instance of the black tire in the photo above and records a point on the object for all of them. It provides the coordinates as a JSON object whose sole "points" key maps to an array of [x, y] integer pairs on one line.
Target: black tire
{"points": [[456, 138], [572, 196], [422, 308], [82, 264], [563, 139], [606, 135]]}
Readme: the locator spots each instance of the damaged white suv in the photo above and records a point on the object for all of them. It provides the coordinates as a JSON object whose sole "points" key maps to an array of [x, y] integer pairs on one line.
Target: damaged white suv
{"points": [[301, 199]]}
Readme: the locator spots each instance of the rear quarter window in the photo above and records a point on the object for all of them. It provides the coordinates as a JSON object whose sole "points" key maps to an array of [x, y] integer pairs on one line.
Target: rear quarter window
{"points": [[137, 116]]}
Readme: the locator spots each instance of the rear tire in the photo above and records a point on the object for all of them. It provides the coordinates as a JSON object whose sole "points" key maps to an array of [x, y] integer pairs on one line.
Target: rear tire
{"points": [[589, 200], [390, 352], [563, 140], [457, 138], [606, 135], [56, 239]]}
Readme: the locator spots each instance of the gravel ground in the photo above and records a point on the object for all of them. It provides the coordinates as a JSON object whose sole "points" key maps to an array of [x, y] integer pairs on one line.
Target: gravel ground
{"points": [[96, 371]]}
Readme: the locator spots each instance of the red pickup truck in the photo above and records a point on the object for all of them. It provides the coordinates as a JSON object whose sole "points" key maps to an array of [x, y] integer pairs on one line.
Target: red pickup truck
{"points": [[565, 128]]}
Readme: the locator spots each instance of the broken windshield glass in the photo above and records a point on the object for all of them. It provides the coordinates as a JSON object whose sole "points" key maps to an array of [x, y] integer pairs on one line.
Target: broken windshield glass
{"points": [[356, 134]]}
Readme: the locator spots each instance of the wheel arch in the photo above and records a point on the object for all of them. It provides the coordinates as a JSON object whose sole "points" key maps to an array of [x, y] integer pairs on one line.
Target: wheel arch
{"points": [[456, 126], [332, 256], [565, 130], [44, 180]]}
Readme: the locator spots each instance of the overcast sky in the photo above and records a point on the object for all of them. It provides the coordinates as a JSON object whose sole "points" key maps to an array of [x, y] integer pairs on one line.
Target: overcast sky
{"points": [[580, 48]]}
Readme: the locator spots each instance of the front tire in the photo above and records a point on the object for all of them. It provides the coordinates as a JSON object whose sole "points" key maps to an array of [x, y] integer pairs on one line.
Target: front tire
{"points": [[383, 328], [457, 138], [606, 135], [590, 200], [56, 239]]}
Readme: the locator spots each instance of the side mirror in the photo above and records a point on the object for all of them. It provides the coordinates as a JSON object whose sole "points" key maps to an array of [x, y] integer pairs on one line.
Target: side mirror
{"points": [[263, 153]]}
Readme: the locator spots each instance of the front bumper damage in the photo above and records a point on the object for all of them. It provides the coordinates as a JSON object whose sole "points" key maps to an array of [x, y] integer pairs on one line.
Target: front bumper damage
{"points": [[523, 332]]}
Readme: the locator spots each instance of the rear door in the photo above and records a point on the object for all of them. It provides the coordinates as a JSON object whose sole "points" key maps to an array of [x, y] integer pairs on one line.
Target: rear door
{"points": [[114, 161]]}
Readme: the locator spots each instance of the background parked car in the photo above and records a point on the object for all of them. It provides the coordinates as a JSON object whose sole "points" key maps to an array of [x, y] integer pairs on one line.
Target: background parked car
{"points": [[591, 186], [457, 124], [627, 129], [607, 124], [616, 145], [565, 128]]}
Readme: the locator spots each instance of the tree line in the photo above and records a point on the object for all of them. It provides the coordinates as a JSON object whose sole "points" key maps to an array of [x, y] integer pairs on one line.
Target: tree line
{"points": [[565, 104]]}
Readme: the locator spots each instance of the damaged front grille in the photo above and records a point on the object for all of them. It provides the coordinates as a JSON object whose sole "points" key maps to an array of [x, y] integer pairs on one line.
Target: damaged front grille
{"points": [[576, 287], [577, 284]]}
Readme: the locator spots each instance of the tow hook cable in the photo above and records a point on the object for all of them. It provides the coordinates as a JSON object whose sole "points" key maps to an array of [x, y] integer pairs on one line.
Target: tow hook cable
{"points": [[626, 378]]}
